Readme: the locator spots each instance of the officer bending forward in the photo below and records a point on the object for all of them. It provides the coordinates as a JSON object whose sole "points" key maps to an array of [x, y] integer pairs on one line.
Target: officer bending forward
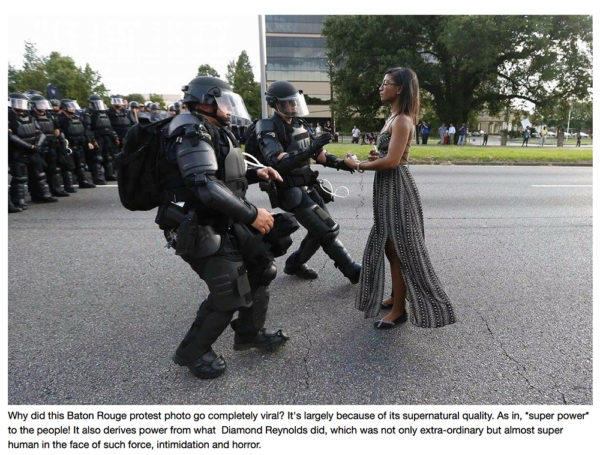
{"points": [[218, 232]]}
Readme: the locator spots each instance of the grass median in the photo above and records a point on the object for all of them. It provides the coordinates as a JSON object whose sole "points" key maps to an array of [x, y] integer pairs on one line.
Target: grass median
{"points": [[439, 154]]}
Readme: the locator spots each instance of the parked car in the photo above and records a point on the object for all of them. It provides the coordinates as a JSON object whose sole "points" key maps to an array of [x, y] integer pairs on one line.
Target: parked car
{"points": [[574, 134], [477, 133]]}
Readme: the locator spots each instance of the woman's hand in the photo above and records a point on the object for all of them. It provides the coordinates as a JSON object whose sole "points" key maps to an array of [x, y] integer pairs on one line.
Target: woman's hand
{"points": [[373, 154], [351, 161]]}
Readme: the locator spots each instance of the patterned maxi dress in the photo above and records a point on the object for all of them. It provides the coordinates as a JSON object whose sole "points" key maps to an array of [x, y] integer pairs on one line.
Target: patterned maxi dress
{"points": [[398, 216]]}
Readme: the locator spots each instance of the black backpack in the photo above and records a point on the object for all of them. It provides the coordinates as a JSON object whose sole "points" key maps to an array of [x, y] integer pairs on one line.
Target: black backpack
{"points": [[138, 166]]}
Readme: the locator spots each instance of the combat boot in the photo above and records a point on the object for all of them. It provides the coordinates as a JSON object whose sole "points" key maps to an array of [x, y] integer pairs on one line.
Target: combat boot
{"points": [[263, 340], [207, 366]]}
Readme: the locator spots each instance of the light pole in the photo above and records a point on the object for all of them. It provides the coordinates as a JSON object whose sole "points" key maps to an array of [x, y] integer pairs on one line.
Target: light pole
{"points": [[263, 67], [569, 120]]}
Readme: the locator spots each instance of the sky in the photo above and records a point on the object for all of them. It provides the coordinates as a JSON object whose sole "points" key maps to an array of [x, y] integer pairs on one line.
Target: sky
{"points": [[137, 54], [156, 46]]}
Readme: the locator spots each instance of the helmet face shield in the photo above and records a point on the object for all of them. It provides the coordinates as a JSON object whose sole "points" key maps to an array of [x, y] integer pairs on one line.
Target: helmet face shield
{"points": [[70, 106], [233, 106], [116, 101], [293, 106], [42, 105], [19, 104], [98, 105]]}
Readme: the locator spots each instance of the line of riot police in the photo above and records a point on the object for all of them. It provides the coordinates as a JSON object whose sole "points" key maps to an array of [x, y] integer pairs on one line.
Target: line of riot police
{"points": [[52, 144]]}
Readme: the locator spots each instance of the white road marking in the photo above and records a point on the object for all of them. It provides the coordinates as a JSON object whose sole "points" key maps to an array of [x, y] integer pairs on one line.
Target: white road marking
{"points": [[561, 186]]}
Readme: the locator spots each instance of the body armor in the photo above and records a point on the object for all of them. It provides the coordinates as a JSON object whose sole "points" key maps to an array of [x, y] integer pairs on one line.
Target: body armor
{"points": [[101, 124], [120, 121]]}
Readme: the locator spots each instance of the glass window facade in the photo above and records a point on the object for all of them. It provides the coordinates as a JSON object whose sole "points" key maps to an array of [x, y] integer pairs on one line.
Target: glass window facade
{"points": [[296, 58], [296, 52], [294, 24]]}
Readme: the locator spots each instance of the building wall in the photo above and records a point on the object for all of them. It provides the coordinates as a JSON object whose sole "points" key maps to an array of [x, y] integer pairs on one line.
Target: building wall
{"points": [[296, 52]]}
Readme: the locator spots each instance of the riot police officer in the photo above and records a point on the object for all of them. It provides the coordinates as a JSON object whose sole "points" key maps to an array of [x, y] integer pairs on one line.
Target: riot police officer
{"points": [[286, 144], [51, 150], [119, 119], [25, 140], [155, 114], [100, 159], [74, 131], [132, 113], [221, 235]]}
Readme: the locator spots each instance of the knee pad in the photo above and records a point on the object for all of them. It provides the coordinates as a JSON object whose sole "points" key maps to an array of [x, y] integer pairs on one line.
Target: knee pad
{"points": [[228, 283], [316, 220], [268, 275], [329, 237]]}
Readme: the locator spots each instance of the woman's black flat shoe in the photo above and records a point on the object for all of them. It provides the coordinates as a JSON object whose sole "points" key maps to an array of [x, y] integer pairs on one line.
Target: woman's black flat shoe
{"points": [[385, 325]]}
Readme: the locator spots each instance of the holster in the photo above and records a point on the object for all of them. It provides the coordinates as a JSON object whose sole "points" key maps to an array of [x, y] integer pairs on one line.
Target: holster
{"points": [[170, 216], [194, 240], [271, 189], [327, 197]]}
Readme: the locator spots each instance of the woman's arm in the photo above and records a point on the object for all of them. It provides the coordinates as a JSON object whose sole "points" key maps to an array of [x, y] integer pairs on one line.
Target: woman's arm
{"points": [[401, 129]]}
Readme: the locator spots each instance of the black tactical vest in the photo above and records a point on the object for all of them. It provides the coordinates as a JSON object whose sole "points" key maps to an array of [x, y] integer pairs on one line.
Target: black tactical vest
{"points": [[119, 121], [76, 130], [298, 138], [24, 127], [101, 123], [46, 124]]}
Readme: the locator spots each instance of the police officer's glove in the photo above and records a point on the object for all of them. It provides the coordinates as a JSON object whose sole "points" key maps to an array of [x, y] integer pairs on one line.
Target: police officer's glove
{"points": [[318, 143], [342, 166]]}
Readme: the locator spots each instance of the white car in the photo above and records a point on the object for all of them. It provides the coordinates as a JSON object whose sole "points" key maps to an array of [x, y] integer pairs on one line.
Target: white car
{"points": [[582, 134]]}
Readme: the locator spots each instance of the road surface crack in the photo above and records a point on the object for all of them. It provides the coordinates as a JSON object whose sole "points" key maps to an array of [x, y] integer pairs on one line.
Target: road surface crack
{"points": [[521, 370]]}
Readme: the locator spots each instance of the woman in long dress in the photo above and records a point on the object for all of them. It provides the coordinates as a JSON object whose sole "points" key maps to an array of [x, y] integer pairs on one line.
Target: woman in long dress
{"points": [[398, 230]]}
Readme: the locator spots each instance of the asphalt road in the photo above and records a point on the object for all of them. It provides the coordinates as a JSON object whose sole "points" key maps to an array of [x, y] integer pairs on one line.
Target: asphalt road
{"points": [[97, 305]]}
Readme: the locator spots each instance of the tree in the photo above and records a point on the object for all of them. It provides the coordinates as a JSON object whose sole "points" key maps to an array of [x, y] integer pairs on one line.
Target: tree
{"points": [[466, 63], [158, 99], [241, 78], [138, 97], [207, 70], [72, 81]]}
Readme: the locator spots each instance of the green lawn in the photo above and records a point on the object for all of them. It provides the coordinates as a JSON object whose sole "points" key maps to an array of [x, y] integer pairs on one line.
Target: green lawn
{"points": [[476, 154]]}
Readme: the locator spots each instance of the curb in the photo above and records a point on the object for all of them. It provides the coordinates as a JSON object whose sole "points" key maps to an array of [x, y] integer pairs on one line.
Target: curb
{"points": [[502, 163]]}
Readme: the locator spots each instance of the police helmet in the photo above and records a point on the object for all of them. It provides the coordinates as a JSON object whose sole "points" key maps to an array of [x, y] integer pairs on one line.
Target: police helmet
{"points": [[96, 103], [30, 93], [134, 105], [54, 102], [211, 90], [285, 98], [154, 107], [18, 102], [69, 105], [39, 103], [116, 100], [147, 104]]}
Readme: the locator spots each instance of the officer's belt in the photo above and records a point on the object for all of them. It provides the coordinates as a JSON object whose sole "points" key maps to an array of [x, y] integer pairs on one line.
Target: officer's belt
{"points": [[290, 181]]}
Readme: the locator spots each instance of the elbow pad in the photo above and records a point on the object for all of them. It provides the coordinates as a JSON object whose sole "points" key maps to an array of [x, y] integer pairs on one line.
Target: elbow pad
{"points": [[16, 140], [294, 159], [215, 195]]}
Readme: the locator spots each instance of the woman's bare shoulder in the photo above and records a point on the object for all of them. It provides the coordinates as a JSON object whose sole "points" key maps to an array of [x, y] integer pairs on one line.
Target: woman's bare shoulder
{"points": [[402, 121]]}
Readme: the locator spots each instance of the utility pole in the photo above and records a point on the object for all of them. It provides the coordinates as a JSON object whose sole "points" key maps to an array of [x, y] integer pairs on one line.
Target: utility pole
{"points": [[569, 120], [263, 67]]}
